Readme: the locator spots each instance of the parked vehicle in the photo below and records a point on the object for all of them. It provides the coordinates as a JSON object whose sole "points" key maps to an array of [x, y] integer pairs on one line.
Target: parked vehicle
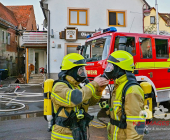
{"points": [[151, 57]]}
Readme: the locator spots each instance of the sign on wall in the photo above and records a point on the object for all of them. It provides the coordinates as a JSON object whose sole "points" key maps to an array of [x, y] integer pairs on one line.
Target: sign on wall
{"points": [[74, 34], [71, 34]]}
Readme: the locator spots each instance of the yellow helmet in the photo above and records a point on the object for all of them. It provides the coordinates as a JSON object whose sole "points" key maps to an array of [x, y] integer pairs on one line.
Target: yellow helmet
{"points": [[72, 60], [122, 59]]}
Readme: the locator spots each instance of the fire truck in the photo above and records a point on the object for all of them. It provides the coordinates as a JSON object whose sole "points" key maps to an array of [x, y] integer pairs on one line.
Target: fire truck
{"points": [[150, 52]]}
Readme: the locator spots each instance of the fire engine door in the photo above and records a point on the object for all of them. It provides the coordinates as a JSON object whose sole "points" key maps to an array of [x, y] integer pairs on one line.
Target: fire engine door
{"points": [[162, 64]]}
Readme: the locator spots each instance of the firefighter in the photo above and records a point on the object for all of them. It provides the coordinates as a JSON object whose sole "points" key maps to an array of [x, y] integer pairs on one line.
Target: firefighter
{"points": [[71, 102], [126, 123]]}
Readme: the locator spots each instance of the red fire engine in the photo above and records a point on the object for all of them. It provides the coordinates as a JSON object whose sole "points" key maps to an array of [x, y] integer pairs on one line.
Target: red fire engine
{"points": [[151, 57]]}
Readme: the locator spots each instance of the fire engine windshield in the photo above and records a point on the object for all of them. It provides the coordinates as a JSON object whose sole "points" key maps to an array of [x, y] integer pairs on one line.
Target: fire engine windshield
{"points": [[97, 49]]}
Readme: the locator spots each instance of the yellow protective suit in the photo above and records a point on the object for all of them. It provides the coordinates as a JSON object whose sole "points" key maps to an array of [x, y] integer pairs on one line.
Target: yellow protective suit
{"points": [[72, 99], [134, 104]]}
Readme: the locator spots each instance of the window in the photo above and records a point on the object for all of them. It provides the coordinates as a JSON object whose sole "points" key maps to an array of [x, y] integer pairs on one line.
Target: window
{"points": [[77, 17], [9, 38], [116, 18], [71, 49], [145, 47], [3, 36], [97, 49], [125, 43], [152, 19], [161, 48]]}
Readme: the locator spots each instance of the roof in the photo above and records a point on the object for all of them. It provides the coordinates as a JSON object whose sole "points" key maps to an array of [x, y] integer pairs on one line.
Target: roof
{"points": [[22, 13], [146, 3], [7, 15], [164, 16]]}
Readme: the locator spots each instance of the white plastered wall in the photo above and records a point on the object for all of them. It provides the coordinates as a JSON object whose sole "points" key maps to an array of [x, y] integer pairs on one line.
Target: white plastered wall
{"points": [[97, 18]]}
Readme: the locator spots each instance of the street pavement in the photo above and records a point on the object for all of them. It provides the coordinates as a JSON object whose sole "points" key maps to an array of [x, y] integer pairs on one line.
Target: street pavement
{"points": [[34, 127], [29, 123]]}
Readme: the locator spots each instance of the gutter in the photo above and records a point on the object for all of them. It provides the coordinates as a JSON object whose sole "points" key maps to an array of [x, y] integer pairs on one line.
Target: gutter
{"points": [[48, 45], [147, 4], [10, 25]]}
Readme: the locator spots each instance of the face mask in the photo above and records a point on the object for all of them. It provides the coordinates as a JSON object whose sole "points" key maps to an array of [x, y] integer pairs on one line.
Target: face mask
{"points": [[111, 71], [81, 74], [78, 73]]}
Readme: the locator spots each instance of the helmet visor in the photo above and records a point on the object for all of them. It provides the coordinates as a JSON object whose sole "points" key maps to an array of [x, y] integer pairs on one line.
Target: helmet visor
{"points": [[82, 72], [109, 67]]}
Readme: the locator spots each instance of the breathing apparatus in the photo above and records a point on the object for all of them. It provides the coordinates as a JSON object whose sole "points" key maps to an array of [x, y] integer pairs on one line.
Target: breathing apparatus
{"points": [[120, 63], [80, 114], [48, 84], [73, 64], [147, 88]]}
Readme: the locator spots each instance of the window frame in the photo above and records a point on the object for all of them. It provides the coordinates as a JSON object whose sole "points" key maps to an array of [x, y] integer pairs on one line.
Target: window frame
{"points": [[167, 47], [78, 10], [154, 19], [131, 46], [117, 12], [140, 49], [9, 39]]}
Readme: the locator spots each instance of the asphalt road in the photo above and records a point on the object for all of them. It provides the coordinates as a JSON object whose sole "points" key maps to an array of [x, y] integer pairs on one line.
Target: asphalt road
{"points": [[29, 123], [34, 127]]}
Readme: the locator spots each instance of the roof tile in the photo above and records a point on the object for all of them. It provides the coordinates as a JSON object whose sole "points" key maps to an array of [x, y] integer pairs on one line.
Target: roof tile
{"points": [[22, 13], [7, 15]]}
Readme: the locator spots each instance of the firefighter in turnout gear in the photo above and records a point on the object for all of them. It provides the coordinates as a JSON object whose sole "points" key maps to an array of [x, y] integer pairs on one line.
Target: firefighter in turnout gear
{"points": [[71, 102], [126, 123]]}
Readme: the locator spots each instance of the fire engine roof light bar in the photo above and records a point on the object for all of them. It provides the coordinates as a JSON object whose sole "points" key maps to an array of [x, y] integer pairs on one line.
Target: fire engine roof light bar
{"points": [[111, 29], [88, 36]]}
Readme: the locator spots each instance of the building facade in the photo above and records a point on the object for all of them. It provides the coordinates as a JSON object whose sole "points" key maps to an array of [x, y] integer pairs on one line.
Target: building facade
{"points": [[150, 22], [8, 41], [18, 37], [69, 22]]}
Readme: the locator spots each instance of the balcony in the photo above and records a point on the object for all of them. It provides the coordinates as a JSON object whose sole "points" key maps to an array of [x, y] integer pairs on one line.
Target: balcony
{"points": [[34, 38]]}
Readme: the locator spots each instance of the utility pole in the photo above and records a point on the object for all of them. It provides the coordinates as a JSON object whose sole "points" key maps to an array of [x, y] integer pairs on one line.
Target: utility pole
{"points": [[157, 20]]}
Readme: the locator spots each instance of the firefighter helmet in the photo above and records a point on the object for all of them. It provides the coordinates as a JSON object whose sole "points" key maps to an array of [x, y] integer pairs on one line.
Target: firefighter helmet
{"points": [[72, 60], [122, 59]]}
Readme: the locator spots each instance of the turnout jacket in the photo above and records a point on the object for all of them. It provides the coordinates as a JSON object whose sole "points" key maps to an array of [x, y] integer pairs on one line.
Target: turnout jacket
{"points": [[134, 104], [72, 99]]}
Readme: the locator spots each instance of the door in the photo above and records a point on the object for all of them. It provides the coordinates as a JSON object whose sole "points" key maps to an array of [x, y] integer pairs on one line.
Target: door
{"points": [[36, 63], [162, 63], [146, 65]]}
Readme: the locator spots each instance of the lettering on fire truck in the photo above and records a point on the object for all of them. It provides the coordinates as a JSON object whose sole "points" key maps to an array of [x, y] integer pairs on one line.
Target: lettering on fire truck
{"points": [[91, 72]]}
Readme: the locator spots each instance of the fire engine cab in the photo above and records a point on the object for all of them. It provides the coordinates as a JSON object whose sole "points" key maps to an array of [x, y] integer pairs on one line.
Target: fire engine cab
{"points": [[151, 57]]}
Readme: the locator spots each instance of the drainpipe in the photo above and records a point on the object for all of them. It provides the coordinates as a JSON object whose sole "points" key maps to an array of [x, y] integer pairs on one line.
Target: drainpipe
{"points": [[48, 45], [157, 20], [143, 17]]}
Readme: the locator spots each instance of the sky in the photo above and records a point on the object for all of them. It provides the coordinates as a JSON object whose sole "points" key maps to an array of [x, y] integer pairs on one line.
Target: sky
{"points": [[163, 7]]}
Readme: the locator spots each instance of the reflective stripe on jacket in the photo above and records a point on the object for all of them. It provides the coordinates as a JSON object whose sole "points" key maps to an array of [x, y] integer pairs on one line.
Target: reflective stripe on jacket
{"points": [[134, 103], [71, 99]]}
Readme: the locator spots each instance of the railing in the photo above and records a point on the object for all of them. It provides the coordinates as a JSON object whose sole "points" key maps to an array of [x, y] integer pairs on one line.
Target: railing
{"points": [[34, 38]]}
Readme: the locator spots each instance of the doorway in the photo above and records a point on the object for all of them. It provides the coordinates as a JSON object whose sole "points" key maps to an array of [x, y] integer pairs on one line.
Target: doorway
{"points": [[36, 63]]}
